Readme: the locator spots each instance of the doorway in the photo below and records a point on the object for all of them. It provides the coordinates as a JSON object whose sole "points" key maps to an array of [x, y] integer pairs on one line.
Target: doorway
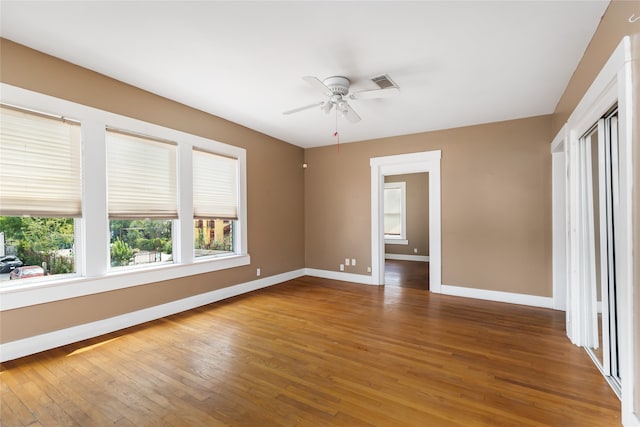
{"points": [[428, 161], [406, 230]]}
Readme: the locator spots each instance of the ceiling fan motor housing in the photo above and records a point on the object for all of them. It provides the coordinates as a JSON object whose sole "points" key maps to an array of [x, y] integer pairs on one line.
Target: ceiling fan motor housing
{"points": [[337, 84]]}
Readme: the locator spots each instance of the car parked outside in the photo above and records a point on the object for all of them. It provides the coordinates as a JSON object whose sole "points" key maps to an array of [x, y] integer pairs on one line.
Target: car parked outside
{"points": [[26, 272], [8, 263]]}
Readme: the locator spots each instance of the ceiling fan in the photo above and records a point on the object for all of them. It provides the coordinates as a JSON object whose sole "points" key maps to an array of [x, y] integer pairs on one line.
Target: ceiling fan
{"points": [[336, 89]]}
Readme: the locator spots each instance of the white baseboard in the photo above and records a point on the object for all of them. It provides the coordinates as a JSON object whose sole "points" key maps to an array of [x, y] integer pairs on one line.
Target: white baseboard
{"points": [[24, 347], [421, 258], [512, 298], [339, 275]]}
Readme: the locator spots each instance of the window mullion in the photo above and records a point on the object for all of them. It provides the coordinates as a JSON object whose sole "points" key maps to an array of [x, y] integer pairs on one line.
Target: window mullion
{"points": [[95, 221], [184, 236]]}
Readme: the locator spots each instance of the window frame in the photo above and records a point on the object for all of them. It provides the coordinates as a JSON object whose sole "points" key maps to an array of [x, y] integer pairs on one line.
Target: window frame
{"points": [[210, 219], [402, 238], [92, 260]]}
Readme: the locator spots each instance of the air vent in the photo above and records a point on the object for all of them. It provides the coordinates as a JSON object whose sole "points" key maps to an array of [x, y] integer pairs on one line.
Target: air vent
{"points": [[383, 81]]}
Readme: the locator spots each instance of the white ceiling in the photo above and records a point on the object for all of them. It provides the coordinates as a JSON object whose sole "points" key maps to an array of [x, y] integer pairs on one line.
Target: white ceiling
{"points": [[456, 63]]}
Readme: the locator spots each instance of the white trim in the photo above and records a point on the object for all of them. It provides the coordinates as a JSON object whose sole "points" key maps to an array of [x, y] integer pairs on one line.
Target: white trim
{"points": [[557, 145], [629, 312], [23, 295], [427, 161], [92, 274], [388, 241], [24, 347], [338, 275], [401, 257], [559, 218], [590, 107], [498, 296]]}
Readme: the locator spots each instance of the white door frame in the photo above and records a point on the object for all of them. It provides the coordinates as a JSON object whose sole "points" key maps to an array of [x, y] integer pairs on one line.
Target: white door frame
{"points": [[559, 216], [426, 161]]}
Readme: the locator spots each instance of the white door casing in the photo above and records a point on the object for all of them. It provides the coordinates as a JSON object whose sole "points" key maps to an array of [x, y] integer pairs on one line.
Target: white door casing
{"points": [[426, 161]]}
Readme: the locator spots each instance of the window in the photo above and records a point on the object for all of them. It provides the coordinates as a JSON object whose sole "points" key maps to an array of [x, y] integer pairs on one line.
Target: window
{"points": [[215, 203], [40, 192], [395, 218], [133, 205], [142, 195]]}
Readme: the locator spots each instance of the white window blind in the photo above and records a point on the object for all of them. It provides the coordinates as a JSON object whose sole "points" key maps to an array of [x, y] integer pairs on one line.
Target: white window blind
{"points": [[395, 211], [40, 165], [392, 211], [141, 175], [215, 186]]}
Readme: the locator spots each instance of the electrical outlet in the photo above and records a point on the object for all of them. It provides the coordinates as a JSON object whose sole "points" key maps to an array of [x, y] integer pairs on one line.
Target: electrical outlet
{"points": [[415, 250], [257, 271], [341, 267], [368, 269], [346, 262], [353, 262]]}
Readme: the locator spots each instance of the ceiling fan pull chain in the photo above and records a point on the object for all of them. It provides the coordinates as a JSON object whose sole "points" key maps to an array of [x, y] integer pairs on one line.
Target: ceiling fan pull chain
{"points": [[336, 134]]}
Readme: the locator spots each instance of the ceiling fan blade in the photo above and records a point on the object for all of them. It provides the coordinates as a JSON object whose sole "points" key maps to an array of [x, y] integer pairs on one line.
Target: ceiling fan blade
{"points": [[306, 107], [350, 114], [313, 81], [375, 93]]}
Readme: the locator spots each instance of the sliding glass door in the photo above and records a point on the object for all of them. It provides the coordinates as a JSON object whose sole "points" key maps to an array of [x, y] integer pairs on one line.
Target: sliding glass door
{"points": [[600, 180]]}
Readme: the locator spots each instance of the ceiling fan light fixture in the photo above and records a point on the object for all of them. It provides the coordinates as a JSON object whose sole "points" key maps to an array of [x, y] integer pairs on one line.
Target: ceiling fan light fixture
{"points": [[336, 89]]}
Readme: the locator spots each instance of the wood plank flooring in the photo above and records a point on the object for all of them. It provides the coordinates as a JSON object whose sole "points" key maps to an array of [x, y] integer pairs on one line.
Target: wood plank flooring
{"points": [[316, 352], [408, 274]]}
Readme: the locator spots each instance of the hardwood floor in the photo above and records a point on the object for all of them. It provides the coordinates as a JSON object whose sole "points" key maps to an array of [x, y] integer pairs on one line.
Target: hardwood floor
{"points": [[316, 352], [407, 274]]}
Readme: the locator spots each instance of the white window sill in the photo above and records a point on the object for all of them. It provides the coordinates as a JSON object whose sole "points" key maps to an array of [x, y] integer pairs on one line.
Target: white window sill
{"points": [[388, 241], [15, 295]]}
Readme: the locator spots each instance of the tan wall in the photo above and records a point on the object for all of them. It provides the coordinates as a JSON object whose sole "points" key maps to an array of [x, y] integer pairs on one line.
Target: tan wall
{"points": [[496, 203], [613, 27], [417, 205], [274, 193]]}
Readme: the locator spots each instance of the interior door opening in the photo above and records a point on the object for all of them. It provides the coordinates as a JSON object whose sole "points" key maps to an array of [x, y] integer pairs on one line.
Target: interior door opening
{"points": [[428, 161], [406, 230]]}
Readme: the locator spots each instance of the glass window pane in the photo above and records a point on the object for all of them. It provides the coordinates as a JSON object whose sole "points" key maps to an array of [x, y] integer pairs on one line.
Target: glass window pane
{"points": [[140, 242], [213, 237], [392, 200], [392, 224], [35, 247]]}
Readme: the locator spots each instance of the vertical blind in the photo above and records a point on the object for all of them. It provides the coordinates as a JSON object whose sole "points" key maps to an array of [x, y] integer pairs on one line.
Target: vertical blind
{"points": [[215, 186], [141, 174], [40, 165]]}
